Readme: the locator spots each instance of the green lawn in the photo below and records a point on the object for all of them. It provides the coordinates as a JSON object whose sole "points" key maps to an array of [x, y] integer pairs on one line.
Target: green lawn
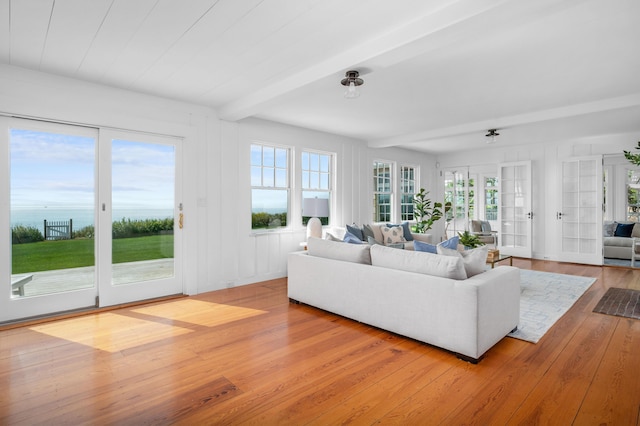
{"points": [[48, 255]]}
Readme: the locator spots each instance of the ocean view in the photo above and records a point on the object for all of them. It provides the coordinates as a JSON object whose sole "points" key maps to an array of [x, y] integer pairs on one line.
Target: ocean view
{"points": [[81, 217]]}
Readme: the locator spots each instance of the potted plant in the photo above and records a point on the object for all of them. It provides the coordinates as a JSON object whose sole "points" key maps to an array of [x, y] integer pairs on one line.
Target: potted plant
{"points": [[425, 213], [469, 240]]}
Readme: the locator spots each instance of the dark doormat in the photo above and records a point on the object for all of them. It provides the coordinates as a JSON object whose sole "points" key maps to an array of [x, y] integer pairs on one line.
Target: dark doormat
{"points": [[621, 302]]}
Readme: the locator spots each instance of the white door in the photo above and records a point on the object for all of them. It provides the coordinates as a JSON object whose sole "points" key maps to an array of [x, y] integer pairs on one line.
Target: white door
{"points": [[88, 218], [580, 215], [515, 215], [141, 217], [47, 218]]}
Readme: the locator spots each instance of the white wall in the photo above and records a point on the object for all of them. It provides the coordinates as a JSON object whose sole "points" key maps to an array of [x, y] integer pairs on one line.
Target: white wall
{"points": [[219, 248], [246, 257]]}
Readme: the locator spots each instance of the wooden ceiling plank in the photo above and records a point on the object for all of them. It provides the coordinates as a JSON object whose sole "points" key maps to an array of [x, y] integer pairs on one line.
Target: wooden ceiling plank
{"points": [[5, 31], [171, 71], [29, 25], [119, 27], [74, 24], [162, 29]]}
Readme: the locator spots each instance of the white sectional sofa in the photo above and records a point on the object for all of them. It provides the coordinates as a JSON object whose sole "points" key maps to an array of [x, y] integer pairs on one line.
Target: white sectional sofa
{"points": [[392, 289]]}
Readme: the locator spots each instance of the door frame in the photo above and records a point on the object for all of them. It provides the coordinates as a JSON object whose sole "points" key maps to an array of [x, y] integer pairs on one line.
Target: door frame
{"points": [[110, 294], [526, 250], [18, 308]]}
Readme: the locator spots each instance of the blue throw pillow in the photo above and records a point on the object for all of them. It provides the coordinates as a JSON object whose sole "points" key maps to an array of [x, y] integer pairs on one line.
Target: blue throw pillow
{"points": [[350, 238], [406, 231], [425, 247], [356, 232], [624, 230], [451, 243]]}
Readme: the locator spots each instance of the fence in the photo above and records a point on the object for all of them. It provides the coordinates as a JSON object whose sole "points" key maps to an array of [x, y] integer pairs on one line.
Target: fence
{"points": [[60, 230]]}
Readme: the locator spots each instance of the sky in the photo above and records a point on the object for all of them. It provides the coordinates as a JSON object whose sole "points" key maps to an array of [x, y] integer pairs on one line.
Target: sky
{"points": [[50, 170]]}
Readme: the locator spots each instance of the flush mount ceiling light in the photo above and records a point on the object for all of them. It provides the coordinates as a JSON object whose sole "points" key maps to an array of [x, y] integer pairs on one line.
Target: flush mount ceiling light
{"points": [[352, 82], [491, 136]]}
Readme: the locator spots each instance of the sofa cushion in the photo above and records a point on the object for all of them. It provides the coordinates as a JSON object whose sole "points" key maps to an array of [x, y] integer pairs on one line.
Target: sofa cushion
{"points": [[357, 232], [393, 235], [419, 262], [636, 231], [425, 247], [474, 260], [617, 241], [624, 230], [356, 253], [406, 231]]}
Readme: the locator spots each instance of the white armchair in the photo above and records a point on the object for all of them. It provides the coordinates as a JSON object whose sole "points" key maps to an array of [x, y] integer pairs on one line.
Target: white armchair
{"points": [[482, 229]]}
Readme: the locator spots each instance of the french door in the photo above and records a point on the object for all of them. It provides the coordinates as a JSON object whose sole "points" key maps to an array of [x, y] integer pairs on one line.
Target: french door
{"points": [[88, 218], [580, 215], [515, 214]]}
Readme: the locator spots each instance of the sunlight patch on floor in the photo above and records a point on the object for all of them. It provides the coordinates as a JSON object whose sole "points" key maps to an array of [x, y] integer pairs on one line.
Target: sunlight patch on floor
{"points": [[198, 312], [109, 331]]}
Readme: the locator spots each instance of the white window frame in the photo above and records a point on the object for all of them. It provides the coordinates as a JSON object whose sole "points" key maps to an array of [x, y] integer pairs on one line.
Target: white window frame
{"points": [[273, 185], [376, 192], [309, 187], [405, 216]]}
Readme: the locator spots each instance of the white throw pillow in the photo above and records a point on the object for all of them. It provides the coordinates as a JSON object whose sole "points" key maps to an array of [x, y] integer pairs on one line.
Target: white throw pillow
{"points": [[357, 253], [392, 235], [419, 262], [474, 260]]}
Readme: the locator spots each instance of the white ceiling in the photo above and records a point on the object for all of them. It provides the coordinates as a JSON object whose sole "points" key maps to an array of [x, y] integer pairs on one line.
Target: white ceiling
{"points": [[438, 73]]}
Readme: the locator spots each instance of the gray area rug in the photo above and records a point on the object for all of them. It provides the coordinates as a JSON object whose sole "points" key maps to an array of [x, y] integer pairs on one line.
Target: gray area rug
{"points": [[544, 298], [620, 302]]}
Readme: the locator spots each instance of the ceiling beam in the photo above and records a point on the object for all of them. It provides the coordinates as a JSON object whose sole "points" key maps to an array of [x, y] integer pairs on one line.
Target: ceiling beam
{"points": [[610, 104], [405, 37]]}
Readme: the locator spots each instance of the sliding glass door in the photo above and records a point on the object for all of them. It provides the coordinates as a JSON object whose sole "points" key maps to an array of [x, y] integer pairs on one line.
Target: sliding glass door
{"points": [[47, 228], [88, 218], [143, 215]]}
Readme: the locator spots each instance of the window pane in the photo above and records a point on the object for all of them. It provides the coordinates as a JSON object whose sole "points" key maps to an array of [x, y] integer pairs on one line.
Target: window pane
{"points": [[256, 155], [267, 177], [256, 176], [269, 208], [281, 158], [314, 162], [315, 184], [317, 194], [324, 163], [324, 181], [305, 179], [267, 156], [305, 160], [281, 178]]}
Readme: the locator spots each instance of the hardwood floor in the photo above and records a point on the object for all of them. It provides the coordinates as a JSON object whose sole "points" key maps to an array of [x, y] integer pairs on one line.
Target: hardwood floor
{"points": [[245, 355]]}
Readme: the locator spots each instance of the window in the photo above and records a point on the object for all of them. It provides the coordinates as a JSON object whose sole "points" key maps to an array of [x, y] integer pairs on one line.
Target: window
{"points": [[382, 191], [633, 195], [316, 180], [269, 186], [407, 192], [490, 198]]}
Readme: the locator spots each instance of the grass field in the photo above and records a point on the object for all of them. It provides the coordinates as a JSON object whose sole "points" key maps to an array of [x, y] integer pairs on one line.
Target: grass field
{"points": [[50, 255]]}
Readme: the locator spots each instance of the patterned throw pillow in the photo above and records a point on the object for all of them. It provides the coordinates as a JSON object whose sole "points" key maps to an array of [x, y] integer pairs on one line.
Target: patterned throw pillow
{"points": [[392, 235]]}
